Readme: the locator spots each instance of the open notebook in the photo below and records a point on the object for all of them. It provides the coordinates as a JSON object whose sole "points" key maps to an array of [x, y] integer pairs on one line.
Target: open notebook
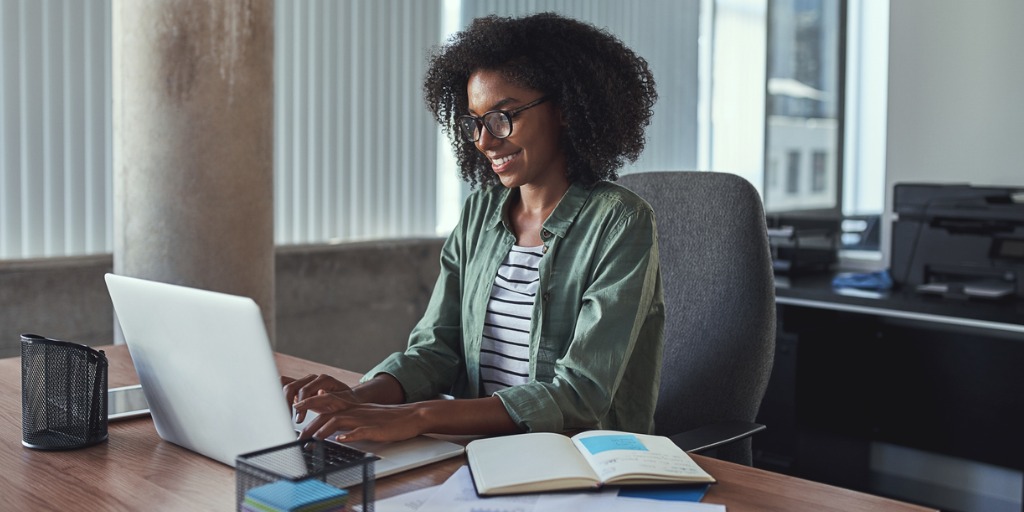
{"points": [[208, 373]]}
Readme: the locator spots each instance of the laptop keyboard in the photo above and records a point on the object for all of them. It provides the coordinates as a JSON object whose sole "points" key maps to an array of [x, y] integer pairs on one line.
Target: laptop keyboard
{"points": [[334, 455]]}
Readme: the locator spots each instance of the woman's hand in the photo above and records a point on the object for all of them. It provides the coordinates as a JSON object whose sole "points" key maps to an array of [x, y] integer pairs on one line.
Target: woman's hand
{"points": [[297, 390], [359, 421], [373, 411]]}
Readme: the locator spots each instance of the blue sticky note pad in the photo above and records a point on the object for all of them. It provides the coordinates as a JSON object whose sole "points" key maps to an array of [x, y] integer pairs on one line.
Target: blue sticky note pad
{"points": [[693, 493], [286, 495], [598, 444]]}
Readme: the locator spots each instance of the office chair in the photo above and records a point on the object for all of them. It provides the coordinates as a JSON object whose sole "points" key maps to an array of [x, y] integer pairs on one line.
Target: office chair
{"points": [[719, 308]]}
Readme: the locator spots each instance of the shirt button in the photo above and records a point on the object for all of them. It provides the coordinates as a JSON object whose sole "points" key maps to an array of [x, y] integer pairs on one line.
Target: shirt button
{"points": [[546, 296], [545, 234], [544, 250]]}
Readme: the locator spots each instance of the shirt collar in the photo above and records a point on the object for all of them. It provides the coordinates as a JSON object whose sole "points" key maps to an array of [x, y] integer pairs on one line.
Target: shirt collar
{"points": [[568, 209]]}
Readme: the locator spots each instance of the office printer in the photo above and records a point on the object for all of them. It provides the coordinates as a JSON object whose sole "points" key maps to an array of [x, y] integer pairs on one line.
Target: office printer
{"points": [[959, 240], [801, 244]]}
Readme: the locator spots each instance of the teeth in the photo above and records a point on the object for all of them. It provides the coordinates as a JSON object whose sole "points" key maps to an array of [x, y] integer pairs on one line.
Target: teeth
{"points": [[504, 160]]}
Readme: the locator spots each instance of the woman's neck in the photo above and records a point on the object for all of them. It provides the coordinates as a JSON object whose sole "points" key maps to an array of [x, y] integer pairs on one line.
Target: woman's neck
{"points": [[532, 207]]}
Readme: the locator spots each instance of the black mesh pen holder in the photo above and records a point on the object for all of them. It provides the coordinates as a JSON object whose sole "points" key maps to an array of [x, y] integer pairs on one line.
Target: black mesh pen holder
{"points": [[337, 465], [63, 394]]}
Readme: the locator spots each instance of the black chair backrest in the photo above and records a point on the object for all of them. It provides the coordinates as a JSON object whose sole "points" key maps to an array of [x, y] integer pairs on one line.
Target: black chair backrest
{"points": [[719, 300]]}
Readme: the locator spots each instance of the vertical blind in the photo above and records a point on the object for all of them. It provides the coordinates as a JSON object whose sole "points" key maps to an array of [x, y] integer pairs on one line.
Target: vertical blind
{"points": [[355, 150], [55, 180]]}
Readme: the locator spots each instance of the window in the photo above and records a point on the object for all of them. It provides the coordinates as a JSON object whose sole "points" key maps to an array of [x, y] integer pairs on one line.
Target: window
{"points": [[819, 162], [804, 107], [335, 177], [826, 97], [793, 173]]}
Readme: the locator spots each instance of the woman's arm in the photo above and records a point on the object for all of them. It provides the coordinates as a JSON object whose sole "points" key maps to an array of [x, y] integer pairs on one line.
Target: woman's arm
{"points": [[380, 422]]}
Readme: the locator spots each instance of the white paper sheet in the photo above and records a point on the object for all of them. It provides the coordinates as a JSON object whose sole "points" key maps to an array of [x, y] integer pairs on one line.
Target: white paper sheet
{"points": [[458, 494], [408, 502]]}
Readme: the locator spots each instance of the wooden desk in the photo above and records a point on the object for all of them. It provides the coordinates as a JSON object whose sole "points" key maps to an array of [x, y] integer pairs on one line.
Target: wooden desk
{"points": [[136, 470]]}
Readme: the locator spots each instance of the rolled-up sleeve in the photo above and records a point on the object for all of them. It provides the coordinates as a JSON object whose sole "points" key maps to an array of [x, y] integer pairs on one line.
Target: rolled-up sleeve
{"points": [[433, 359]]}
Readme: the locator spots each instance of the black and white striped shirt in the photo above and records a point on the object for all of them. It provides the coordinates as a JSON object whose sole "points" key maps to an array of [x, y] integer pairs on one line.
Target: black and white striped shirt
{"points": [[505, 348]]}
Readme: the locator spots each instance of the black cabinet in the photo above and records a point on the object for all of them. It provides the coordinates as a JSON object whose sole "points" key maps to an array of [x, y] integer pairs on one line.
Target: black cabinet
{"points": [[939, 375]]}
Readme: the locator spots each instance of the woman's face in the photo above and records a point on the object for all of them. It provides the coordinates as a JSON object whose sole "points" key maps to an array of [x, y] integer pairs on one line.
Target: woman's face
{"points": [[531, 155]]}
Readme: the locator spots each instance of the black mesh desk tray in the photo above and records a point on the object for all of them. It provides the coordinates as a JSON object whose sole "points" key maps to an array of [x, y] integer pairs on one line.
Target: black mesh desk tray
{"points": [[63, 394], [332, 463]]}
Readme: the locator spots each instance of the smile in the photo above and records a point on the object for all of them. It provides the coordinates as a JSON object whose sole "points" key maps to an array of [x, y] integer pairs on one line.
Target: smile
{"points": [[501, 162]]}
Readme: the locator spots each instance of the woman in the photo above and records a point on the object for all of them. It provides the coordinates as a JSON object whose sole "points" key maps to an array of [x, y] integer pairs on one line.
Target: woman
{"points": [[547, 314]]}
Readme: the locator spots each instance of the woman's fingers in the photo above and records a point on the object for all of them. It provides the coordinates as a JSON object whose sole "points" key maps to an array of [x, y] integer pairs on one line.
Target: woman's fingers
{"points": [[293, 386], [323, 403], [363, 422]]}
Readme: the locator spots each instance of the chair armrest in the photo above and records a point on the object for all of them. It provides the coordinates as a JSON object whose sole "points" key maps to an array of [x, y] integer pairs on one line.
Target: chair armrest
{"points": [[716, 434]]}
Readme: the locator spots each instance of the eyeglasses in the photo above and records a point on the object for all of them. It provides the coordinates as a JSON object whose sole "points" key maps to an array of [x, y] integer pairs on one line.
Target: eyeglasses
{"points": [[497, 122]]}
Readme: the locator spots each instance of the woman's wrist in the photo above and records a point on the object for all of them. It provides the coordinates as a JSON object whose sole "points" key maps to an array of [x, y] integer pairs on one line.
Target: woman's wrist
{"points": [[464, 416], [383, 388]]}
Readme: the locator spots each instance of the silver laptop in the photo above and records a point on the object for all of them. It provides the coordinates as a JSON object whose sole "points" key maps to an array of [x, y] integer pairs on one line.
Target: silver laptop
{"points": [[208, 373]]}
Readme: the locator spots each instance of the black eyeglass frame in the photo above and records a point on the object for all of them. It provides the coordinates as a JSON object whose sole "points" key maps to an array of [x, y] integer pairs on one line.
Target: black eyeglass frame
{"points": [[479, 124]]}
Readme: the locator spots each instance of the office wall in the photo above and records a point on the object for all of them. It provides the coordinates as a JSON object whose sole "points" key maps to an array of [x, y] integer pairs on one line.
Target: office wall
{"points": [[347, 305], [956, 113], [350, 305], [63, 298]]}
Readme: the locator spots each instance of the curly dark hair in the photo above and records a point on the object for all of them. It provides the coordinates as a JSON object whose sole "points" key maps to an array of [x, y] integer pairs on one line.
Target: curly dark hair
{"points": [[603, 89]]}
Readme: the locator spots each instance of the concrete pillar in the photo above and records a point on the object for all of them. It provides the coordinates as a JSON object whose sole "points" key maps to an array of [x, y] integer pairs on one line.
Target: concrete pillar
{"points": [[193, 141]]}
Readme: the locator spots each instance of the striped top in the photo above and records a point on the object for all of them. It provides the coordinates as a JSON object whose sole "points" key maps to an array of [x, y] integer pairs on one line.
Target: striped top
{"points": [[505, 347]]}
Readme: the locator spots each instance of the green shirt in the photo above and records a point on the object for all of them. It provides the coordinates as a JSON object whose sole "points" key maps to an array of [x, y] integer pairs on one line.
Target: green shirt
{"points": [[598, 321]]}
